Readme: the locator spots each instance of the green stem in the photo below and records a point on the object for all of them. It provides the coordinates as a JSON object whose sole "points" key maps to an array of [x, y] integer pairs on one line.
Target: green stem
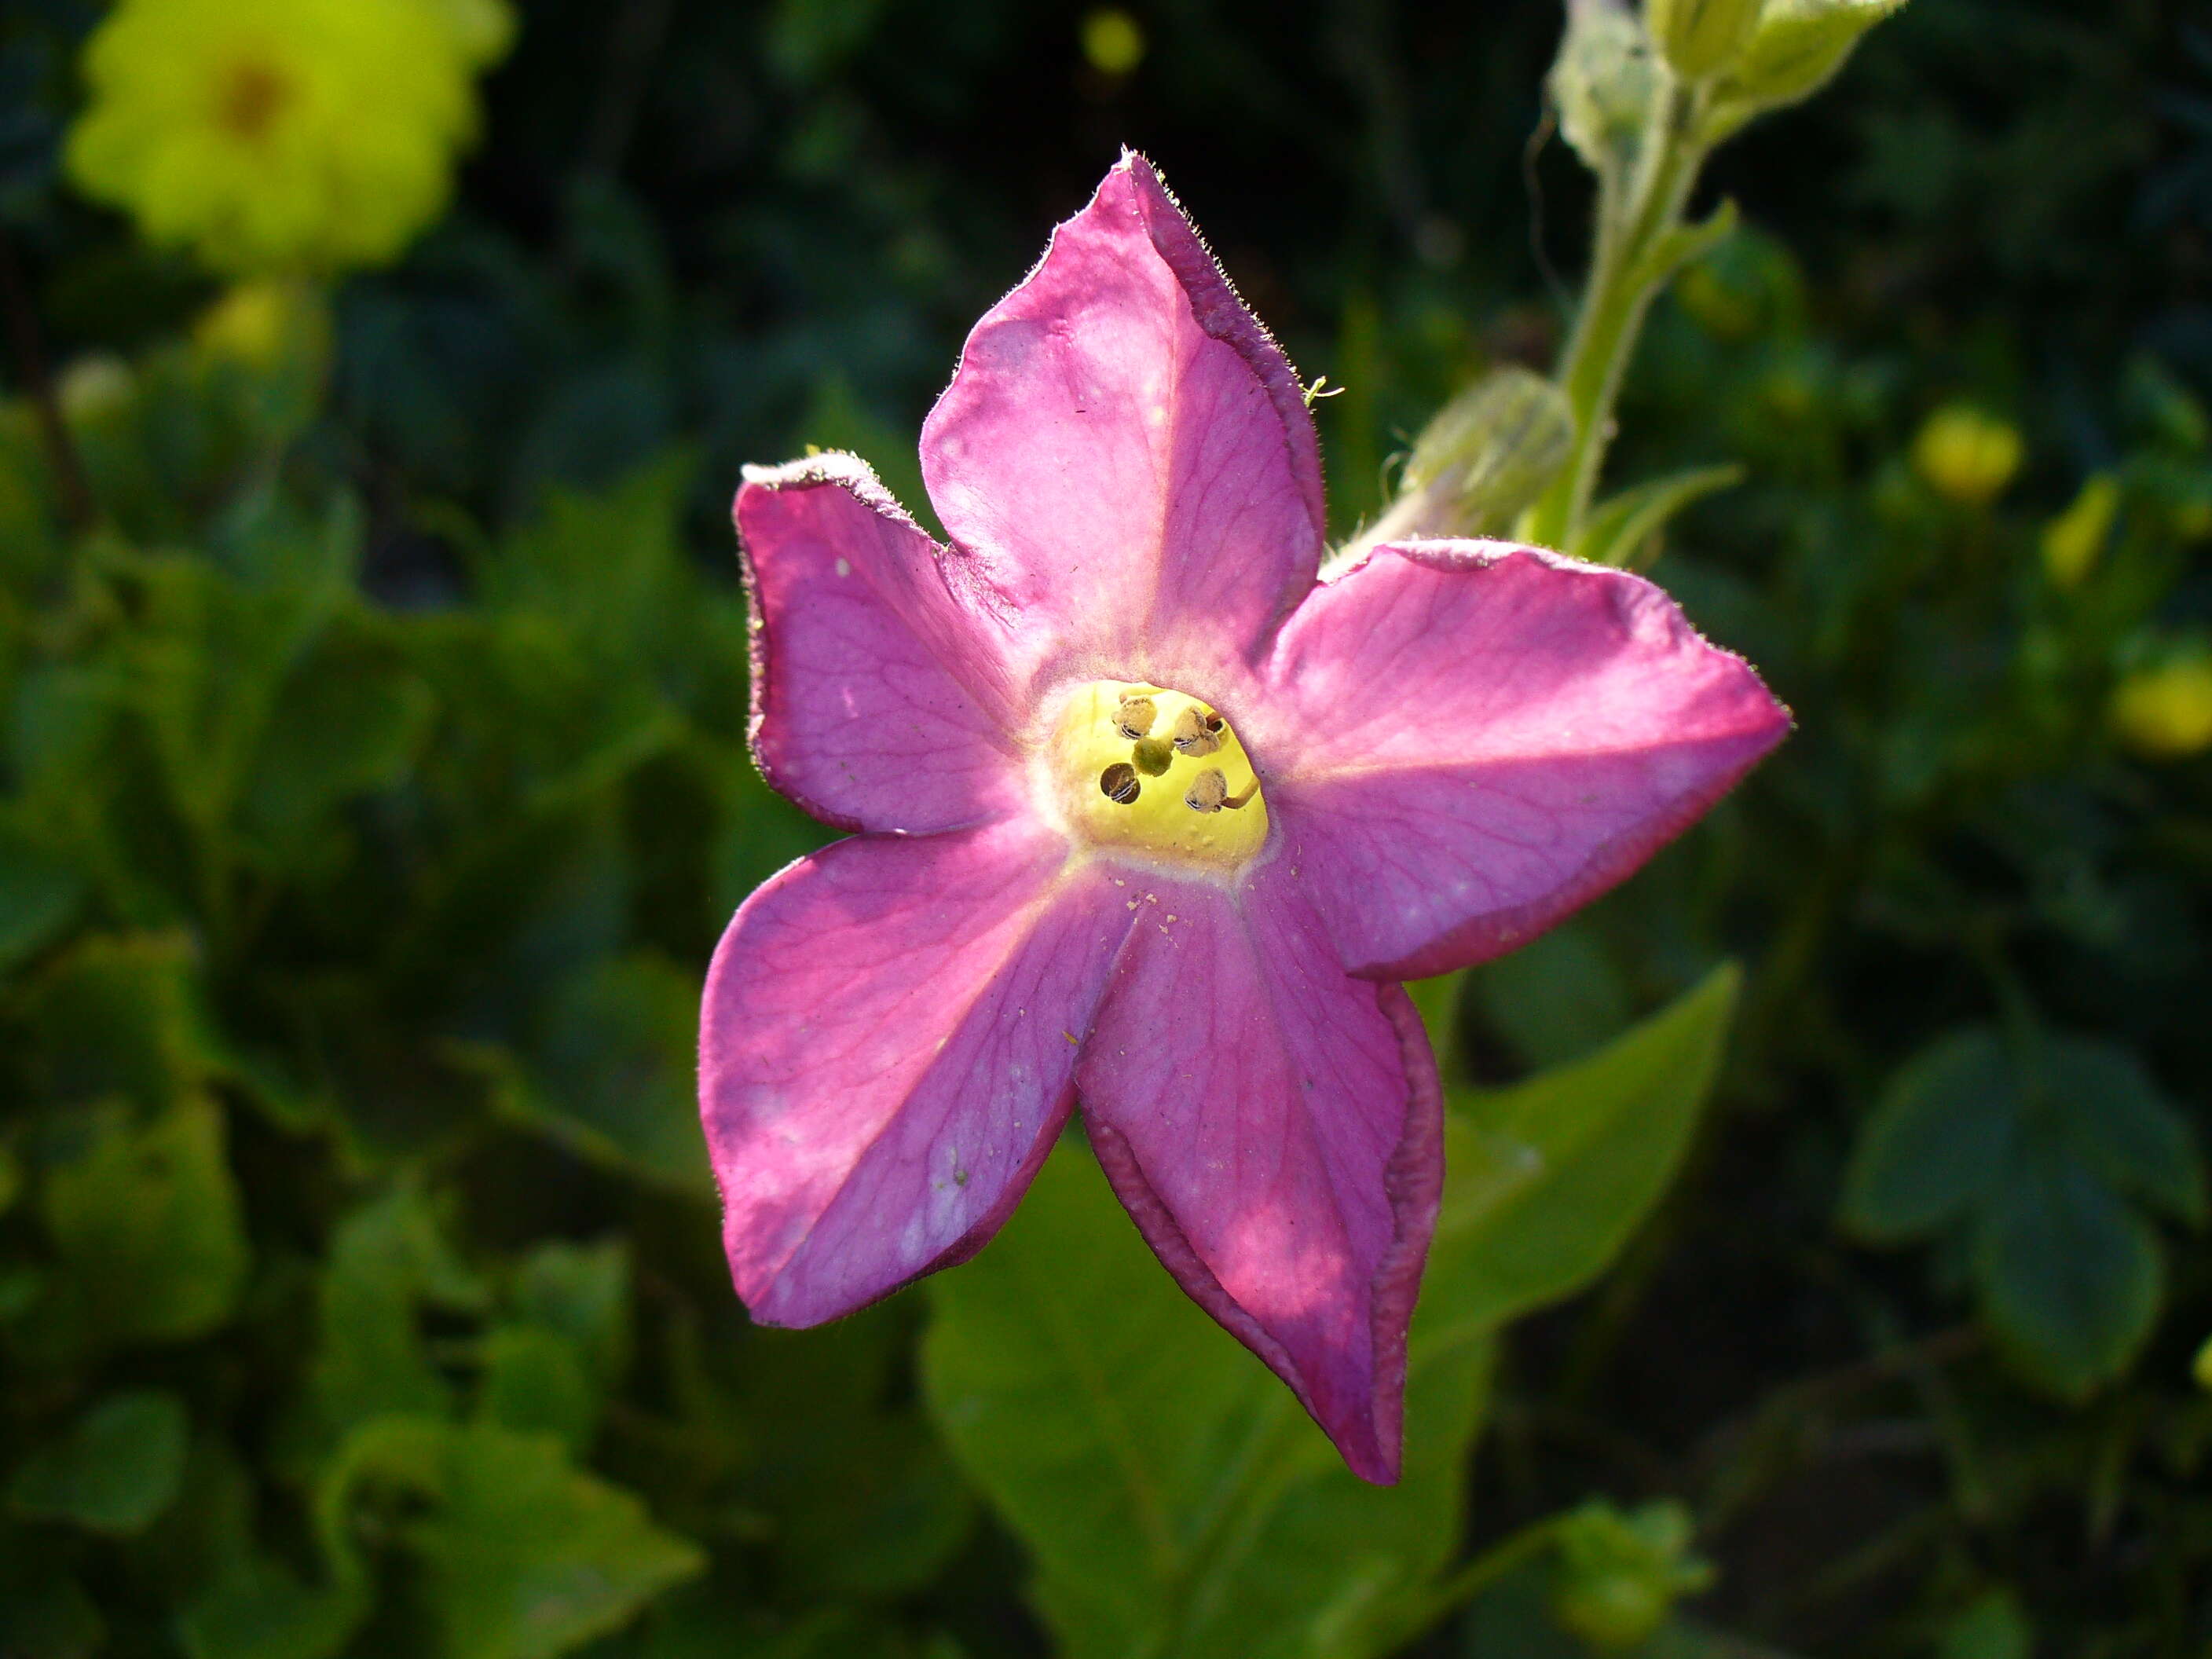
{"points": [[1492, 1564], [1625, 278]]}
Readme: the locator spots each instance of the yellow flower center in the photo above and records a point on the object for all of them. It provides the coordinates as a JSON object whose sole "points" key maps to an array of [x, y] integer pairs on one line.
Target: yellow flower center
{"points": [[253, 95], [1157, 772]]}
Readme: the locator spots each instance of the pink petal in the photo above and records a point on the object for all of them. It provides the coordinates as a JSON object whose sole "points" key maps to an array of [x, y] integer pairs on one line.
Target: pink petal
{"points": [[878, 701], [885, 1050], [1276, 1130], [1127, 453], [1467, 740]]}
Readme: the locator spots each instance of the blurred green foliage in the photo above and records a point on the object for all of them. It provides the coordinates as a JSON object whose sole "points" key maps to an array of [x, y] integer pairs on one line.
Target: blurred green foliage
{"points": [[372, 788]]}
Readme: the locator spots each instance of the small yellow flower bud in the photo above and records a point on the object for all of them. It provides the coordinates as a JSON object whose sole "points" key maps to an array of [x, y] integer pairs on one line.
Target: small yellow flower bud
{"points": [[1113, 41], [1965, 455], [2075, 540], [2165, 712], [265, 326]]}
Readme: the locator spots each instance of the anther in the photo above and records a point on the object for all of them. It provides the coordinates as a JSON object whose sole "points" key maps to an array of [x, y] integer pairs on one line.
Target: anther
{"points": [[1134, 718], [1118, 783], [1209, 793], [1196, 734]]}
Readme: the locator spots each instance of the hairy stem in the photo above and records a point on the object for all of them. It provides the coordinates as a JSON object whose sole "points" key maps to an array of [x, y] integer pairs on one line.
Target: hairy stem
{"points": [[1633, 222]]}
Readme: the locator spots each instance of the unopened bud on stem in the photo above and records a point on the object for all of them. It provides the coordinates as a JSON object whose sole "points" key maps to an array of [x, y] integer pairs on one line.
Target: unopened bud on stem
{"points": [[1701, 38], [1486, 456]]}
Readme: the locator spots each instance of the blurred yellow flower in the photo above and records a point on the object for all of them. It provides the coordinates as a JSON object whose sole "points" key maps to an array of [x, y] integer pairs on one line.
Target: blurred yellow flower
{"points": [[2165, 712], [1965, 455], [281, 135], [2202, 1367], [2073, 541], [1113, 40]]}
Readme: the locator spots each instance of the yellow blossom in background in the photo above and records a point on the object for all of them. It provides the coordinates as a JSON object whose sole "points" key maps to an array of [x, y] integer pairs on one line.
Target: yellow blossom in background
{"points": [[2073, 541], [1965, 455], [1113, 41], [2202, 1368], [2165, 712], [283, 137]]}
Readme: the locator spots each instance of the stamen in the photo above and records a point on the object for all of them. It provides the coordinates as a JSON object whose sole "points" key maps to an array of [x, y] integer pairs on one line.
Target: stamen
{"points": [[1145, 771], [1196, 734], [1134, 718], [1209, 793]]}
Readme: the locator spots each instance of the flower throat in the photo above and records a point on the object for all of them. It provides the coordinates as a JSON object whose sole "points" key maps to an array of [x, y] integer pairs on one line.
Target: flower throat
{"points": [[1158, 772]]}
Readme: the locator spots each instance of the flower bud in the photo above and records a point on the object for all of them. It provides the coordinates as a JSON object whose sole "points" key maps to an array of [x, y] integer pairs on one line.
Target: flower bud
{"points": [[1965, 455], [2073, 541], [1621, 1574], [1797, 47], [2165, 712], [1701, 38], [267, 326], [1602, 83], [1488, 455]]}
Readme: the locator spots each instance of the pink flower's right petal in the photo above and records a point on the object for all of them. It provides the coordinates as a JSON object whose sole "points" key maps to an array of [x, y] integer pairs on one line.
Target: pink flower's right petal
{"points": [[1466, 740], [1276, 1130], [879, 700], [888, 1035]]}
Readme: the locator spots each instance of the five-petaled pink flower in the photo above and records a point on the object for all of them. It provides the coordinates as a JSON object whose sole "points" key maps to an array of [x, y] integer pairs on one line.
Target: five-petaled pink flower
{"points": [[1154, 819]]}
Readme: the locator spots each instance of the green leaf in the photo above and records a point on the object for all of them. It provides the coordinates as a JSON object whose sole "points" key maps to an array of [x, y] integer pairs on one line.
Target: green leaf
{"points": [[146, 1221], [535, 1381], [260, 1610], [208, 663], [2125, 1126], [350, 722], [1940, 1140], [2070, 1277], [521, 1555], [1175, 1498], [1544, 1182], [1623, 529], [613, 1071], [1556, 999], [1993, 1626], [39, 895], [582, 1291], [121, 1014], [48, 1616], [114, 1471], [1678, 246], [387, 1258]]}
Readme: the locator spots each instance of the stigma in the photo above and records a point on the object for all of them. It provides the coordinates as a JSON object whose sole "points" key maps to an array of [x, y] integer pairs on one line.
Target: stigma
{"points": [[1156, 773]]}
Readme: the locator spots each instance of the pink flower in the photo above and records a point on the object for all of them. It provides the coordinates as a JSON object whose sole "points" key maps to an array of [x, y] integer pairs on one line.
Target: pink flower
{"points": [[1153, 819]]}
